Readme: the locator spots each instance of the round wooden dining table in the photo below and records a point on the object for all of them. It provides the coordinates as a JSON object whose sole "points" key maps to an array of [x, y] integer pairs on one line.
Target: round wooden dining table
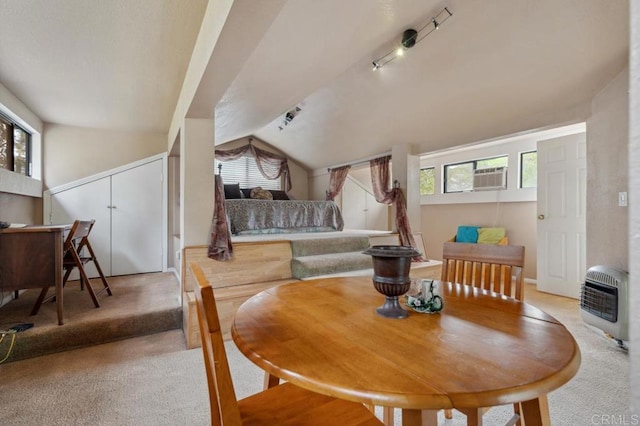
{"points": [[481, 350]]}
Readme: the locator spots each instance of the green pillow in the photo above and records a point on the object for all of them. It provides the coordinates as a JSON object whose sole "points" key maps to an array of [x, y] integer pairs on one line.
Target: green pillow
{"points": [[490, 235]]}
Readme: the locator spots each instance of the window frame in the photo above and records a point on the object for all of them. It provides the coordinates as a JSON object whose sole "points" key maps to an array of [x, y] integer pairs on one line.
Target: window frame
{"points": [[434, 180], [474, 166], [12, 147], [521, 169]]}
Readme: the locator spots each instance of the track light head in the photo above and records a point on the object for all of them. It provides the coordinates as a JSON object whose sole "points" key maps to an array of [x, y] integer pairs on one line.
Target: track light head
{"points": [[409, 38]]}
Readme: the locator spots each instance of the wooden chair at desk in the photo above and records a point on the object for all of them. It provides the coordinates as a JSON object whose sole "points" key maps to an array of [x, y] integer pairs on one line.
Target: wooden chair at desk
{"points": [[283, 404], [497, 268], [74, 257]]}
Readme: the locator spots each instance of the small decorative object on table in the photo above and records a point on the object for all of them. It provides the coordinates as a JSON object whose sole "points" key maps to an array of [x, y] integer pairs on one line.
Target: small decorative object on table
{"points": [[429, 300], [391, 267]]}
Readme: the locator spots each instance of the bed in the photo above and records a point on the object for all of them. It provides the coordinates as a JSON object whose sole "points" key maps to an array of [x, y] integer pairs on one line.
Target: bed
{"points": [[250, 216]]}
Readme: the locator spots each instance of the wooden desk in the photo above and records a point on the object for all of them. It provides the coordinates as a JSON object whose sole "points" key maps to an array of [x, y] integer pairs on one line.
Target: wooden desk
{"points": [[31, 257], [480, 351]]}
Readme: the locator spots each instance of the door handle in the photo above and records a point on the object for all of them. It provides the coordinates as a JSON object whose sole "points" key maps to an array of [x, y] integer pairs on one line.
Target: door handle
{"points": [[541, 216]]}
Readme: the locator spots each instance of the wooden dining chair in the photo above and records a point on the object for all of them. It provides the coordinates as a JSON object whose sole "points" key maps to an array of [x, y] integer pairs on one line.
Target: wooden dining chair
{"points": [[497, 268], [284, 404], [77, 252]]}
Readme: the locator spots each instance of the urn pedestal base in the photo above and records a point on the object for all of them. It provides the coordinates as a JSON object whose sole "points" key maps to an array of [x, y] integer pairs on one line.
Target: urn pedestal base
{"points": [[391, 266]]}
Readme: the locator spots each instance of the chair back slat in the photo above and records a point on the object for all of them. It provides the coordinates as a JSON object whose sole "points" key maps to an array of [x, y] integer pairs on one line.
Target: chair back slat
{"points": [[222, 396], [497, 268]]}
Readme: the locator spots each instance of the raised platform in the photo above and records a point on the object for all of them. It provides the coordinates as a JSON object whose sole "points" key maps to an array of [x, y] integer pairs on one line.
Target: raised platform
{"points": [[263, 261], [141, 304]]}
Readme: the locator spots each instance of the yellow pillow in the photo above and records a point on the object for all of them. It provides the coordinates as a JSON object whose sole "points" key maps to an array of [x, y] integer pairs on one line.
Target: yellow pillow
{"points": [[490, 235]]}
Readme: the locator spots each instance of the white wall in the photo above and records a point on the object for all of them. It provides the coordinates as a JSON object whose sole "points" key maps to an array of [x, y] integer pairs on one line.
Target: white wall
{"points": [[72, 153], [608, 174], [511, 146], [634, 208]]}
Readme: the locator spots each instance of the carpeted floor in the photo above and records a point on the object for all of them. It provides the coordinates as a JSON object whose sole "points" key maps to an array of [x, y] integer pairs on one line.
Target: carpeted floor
{"points": [[153, 380], [141, 304]]}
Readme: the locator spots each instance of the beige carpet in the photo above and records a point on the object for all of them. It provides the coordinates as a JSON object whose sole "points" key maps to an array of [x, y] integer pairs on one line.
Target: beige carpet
{"points": [[153, 380]]}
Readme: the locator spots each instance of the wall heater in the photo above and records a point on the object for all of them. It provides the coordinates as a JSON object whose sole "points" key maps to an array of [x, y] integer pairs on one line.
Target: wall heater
{"points": [[604, 301]]}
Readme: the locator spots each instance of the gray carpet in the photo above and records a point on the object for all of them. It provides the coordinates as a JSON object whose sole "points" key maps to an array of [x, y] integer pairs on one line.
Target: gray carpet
{"points": [[152, 380], [141, 304]]}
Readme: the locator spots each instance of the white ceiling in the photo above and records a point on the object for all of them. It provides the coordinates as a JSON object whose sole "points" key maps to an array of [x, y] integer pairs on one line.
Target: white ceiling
{"points": [[496, 67], [115, 64]]}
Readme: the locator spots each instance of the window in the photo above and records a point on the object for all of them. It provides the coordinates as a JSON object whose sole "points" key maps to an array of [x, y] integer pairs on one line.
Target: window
{"points": [[459, 177], [427, 181], [245, 171], [15, 145], [529, 169]]}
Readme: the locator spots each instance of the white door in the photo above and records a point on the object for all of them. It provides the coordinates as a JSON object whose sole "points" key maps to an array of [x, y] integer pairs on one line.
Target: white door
{"points": [[86, 202], [354, 205], [561, 214], [136, 214]]}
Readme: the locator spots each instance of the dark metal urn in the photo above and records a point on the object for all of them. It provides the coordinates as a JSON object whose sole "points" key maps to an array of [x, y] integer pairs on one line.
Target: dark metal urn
{"points": [[391, 266]]}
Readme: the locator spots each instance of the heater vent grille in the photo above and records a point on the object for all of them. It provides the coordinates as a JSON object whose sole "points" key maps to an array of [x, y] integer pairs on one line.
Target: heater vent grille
{"points": [[604, 299]]}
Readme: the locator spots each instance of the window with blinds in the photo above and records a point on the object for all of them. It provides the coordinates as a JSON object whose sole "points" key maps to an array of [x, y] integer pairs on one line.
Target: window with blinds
{"points": [[244, 171]]}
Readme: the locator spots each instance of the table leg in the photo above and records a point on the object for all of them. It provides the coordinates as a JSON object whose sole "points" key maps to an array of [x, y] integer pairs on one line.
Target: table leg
{"points": [[59, 282], [59, 304], [419, 417], [474, 415], [387, 416], [535, 412]]}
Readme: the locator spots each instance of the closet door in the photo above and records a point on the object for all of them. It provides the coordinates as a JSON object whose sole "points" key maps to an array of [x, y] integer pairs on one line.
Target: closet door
{"points": [[136, 215], [86, 202]]}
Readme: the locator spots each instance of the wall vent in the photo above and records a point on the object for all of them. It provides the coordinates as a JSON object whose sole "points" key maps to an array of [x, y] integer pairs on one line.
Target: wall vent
{"points": [[490, 179]]}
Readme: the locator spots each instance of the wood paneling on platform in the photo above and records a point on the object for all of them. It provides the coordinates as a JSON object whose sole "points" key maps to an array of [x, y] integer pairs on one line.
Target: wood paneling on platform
{"points": [[253, 262]]}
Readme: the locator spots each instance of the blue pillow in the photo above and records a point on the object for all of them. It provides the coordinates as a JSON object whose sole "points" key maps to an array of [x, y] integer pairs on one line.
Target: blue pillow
{"points": [[467, 234]]}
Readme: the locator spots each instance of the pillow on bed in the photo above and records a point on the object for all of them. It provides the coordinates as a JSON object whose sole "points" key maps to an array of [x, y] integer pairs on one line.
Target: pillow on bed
{"points": [[246, 192], [279, 195], [232, 191], [261, 194]]}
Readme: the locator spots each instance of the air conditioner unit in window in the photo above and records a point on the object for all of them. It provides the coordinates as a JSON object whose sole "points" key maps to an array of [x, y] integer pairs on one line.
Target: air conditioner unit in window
{"points": [[490, 179]]}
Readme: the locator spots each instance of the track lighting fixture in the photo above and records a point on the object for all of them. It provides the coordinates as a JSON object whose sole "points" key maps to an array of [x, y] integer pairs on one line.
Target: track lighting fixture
{"points": [[288, 117], [411, 37]]}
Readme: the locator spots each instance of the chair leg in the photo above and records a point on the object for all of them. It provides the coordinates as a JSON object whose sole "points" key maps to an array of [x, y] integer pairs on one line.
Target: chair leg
{"points": [[41, 297], [516, 410], [99, 269], [83, 277]]}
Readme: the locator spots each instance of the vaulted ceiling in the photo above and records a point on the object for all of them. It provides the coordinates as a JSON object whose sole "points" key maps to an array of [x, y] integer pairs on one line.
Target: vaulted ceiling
{"points": [[494, 68]]}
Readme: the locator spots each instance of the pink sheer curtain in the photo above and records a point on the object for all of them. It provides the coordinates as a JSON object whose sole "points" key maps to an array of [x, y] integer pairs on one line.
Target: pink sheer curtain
{"points": [[220, 247], [380, 180], [337, 177], [271, 165]]}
